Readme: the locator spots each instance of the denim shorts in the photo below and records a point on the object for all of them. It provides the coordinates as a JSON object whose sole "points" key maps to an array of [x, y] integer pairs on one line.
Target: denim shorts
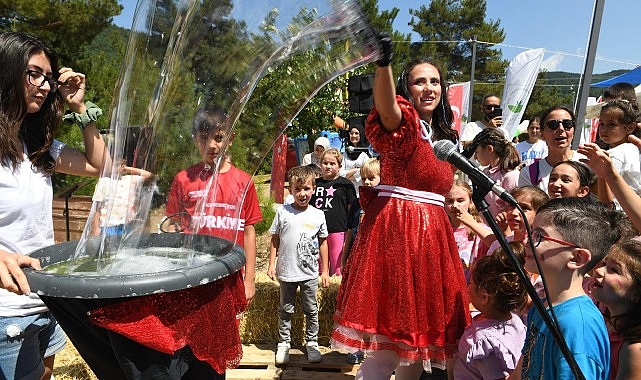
{"points": [[25, 341]]}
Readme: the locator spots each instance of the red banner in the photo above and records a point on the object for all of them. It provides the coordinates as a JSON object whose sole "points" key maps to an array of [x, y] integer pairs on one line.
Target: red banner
{"points": [[455, 96], [279, 168]]}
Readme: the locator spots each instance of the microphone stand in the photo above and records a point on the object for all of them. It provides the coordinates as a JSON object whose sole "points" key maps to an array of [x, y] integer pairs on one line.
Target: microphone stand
{"points": [[478, 197]]}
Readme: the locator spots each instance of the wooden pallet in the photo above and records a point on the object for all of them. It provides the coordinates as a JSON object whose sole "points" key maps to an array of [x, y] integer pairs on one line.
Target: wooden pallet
{"points": [[258, 364]]}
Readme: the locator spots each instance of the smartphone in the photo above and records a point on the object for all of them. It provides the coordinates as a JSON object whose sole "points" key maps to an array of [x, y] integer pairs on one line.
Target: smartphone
{"points": [[496, 112]]}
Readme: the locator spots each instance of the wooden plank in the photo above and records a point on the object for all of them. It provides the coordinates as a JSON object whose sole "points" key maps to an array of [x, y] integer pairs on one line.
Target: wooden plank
{"points": [[261, 354], [333, 365], [305, 374], [241, 373]]}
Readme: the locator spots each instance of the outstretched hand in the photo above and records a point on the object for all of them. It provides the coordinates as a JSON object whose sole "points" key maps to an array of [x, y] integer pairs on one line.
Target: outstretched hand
{"points": [[597, 159], [12, 278]]}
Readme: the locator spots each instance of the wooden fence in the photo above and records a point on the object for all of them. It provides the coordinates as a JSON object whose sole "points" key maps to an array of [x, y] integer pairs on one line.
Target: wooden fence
{"points": [[79, 207]]}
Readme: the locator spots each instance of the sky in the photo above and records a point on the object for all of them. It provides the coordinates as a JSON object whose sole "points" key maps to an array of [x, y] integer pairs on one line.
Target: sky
{"points": [[562, 27]]}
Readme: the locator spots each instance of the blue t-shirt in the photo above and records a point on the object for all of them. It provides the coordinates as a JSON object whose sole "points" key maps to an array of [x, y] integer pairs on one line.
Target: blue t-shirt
{"points": [[584, 330]]}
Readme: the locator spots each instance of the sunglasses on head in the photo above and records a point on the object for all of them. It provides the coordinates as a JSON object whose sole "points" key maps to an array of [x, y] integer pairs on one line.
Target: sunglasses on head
{"points": [[554, 124]]}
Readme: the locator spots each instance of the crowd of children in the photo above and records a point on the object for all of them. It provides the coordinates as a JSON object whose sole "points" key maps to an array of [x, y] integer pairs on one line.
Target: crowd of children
{"points": [[403, 306], [566, 230]]}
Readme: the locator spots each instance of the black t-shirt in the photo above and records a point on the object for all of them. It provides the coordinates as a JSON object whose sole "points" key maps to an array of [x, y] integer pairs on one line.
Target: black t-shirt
{"points": [[334, 197]]}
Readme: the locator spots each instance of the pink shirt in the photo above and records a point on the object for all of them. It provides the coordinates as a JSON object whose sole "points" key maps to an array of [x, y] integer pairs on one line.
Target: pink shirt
{"points": [[508, 181]]}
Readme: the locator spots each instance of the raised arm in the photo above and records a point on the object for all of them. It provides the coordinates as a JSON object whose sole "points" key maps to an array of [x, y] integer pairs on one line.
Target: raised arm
{"points": [[601, 164], [385, 87], [95, 156]]}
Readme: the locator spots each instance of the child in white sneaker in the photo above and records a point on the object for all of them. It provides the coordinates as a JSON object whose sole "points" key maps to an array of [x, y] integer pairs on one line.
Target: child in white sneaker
{"points": [[299, 234]]}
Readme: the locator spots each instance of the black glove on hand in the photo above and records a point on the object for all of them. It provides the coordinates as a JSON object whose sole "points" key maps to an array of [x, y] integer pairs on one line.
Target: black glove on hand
{"points": [[386, 49]]}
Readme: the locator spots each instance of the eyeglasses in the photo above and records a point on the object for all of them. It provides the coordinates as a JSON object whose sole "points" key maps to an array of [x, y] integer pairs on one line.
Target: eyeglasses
{"points": [[491, 107], [538, 236], [554, 124], [38, 79]]}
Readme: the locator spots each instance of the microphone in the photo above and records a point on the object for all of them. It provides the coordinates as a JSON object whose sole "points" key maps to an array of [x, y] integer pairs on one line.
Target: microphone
{"points": [[445, 150], [352, 149]]}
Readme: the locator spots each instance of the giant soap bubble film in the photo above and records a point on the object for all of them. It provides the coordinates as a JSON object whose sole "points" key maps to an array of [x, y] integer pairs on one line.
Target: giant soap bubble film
{"points": [[256, 64]]}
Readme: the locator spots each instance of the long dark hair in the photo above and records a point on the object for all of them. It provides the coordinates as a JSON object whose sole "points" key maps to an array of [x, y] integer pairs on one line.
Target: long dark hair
{"points": [[36, 129], [442, 117]]}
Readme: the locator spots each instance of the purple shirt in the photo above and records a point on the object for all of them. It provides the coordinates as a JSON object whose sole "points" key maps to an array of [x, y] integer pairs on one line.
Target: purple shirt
{"points": [[489, 349]]}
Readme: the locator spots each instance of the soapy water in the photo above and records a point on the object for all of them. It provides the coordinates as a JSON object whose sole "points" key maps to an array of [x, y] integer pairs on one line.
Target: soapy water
{"points": [[262, 62], [130, 261]]}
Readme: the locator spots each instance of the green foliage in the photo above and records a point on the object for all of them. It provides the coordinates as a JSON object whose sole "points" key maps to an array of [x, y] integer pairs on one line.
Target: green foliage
{"points": [[545, 95], [90, 44], [268, 210], [447, 29], [68, 26]]}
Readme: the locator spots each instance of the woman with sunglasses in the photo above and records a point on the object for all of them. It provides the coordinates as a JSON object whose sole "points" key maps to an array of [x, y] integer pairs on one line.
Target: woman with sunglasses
{"points": [[557, 130], [33, 92]]}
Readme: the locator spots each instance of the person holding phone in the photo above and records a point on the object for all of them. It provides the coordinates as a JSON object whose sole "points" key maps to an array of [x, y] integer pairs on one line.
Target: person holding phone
{"points": [[492, 118]]}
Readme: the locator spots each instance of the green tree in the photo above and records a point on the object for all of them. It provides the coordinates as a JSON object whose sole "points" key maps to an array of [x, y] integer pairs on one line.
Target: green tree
{"points": [[67, 26], [448, 29], [545, 95], [332, 99]]}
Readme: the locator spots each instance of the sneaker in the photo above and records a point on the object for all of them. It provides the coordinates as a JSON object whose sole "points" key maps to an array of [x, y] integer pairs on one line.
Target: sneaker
{"points": [[282, 353], [355, 357], [313, 355]]}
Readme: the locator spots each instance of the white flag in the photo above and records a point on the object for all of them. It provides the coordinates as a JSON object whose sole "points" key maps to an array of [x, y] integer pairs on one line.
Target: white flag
{"points": [[519, 81]]}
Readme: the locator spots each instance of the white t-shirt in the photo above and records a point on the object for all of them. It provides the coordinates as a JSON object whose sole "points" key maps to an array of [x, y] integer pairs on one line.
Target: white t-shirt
{"points": [[119, 208], [544, 172], [625, 158], [26, 223], [349, 164], [298, 253], [530, 152], [471, 130]]}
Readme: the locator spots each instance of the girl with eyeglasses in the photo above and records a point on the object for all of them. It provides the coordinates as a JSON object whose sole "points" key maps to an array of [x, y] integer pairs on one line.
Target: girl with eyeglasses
{"points": [[558, 124], [617, 121], [33, 92]]}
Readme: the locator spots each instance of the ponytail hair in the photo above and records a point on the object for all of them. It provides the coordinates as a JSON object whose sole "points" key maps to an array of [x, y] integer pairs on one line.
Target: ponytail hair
{"points": [[510, 158]]}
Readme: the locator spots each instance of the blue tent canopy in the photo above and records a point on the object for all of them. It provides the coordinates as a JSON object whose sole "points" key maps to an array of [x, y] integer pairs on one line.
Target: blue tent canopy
{"points": [[633, 77]]}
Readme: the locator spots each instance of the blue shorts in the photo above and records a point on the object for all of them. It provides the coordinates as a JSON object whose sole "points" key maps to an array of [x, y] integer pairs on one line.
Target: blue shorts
{"points": [[25, 341]]}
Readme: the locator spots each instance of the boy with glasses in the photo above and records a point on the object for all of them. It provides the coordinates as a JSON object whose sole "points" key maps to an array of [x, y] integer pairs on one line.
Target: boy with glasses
{"points": [[489, 108], [570, 236]]}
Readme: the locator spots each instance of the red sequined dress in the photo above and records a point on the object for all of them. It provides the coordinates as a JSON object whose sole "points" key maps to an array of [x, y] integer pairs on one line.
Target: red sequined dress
{"points": [[403, 287], [204, 317]]}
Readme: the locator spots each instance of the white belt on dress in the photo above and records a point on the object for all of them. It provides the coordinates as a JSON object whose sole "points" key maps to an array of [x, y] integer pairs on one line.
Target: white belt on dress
{"points": [[410, 195]]}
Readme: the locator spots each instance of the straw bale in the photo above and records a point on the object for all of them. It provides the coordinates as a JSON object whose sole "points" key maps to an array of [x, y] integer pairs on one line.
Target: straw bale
{"points": [[259, 323]]}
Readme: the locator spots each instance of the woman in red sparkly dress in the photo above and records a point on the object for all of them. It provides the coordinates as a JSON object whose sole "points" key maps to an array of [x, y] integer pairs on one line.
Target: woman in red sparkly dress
{"points": [[403, 298]]}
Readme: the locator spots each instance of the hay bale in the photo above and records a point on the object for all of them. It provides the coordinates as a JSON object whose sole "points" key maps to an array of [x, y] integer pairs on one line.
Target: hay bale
{"points": [[259, 323], [69, 365]]}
